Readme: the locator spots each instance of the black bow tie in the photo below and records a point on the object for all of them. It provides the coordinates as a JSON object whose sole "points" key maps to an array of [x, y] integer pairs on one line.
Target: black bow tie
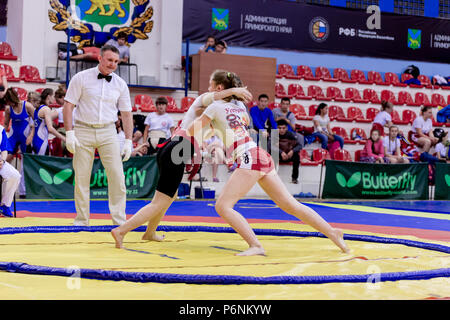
{"points": [[102, 76]]}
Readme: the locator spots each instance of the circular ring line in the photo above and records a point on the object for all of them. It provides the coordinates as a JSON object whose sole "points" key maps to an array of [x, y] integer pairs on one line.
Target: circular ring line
{"points": [[144, 277]]}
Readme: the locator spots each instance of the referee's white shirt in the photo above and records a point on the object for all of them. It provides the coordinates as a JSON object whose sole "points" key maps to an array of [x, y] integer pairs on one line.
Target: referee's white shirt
{"points": [[97, 100]]}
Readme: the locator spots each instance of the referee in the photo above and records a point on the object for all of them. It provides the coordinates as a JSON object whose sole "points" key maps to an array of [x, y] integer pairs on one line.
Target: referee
{"points": [[97, 94]]}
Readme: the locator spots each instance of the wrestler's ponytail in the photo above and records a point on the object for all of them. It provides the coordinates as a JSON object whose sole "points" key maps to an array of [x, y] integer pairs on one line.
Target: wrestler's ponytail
{"points": [[228, 80]]}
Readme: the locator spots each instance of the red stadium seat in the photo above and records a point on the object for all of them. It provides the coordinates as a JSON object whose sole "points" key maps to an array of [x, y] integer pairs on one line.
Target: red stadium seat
{"points": [[396, 118], [438, 100], [320, 155], [324, 74], [186, 102], [279, 91], [405, 98], [312, 110], [8, 71], [448, 99], [304, 72], [392, 79], [371, 95], [359, 77], [422, 99], [286, 71], [144, 103], [371, 113], [425, 81], [317, 93], [342, 75], [301, 94], [172, 105], [343, 133], [293, 89], [6, 52], [342, 155], [21, 92], [335, 94], [356, 114], [353, 95], [436, 124], [358, 132], [30, 74], [305, 159], [273, 105], [375, 77], [299, 112], [409, 116], [388, 95]]}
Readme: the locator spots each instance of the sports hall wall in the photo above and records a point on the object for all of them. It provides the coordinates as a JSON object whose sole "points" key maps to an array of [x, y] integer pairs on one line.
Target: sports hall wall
{"points": [[33, 39]]}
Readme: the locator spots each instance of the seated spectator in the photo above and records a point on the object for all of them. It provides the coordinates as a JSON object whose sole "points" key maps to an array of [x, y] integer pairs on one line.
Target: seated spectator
{"points": [[262, 118], [159, 125], [283, 113], [215, 154], [322, 128], [383, 118], [121, 45], [86, 53], [421, 134], [3, 83], [392, 147], [442, 147], [138, 128], [289, 148], [209, 46], [373, 151], [413, 153], [221, 47]]}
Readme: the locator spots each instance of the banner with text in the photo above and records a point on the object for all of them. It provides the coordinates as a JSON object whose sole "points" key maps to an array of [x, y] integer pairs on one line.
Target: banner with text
{"points": [[442, 182], [350, 180], [298, 26], [53, 177]]}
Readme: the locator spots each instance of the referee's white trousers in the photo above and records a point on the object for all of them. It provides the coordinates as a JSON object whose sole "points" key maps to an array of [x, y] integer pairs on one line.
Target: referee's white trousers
{"points": [[11, 180], [106, 142]]}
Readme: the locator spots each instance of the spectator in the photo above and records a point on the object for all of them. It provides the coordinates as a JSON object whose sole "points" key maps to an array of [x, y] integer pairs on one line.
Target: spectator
{"points": [[138, 128], [214, 150], [159, 125], [383, 118], [373, 151], [121, 45], [322, 128], [262, 116], [392, 147], [284, 113], [289, 148], [3, 83], [415, 72], [442, 147], [421, 134], [414, 154], [209, 46], [221, 46], [86, 53]]}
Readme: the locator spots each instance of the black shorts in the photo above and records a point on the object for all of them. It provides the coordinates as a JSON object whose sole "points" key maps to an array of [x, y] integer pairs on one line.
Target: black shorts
{"points": [[172, 159]]}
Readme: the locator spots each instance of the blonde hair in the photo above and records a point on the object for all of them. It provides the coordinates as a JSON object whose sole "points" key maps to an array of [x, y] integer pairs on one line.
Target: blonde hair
{"points": [[33, 96]]}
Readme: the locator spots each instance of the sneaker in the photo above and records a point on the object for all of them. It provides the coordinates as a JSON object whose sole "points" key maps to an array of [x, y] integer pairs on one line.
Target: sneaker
{"points": [[294, 181], [233, 167], [6, 211]]}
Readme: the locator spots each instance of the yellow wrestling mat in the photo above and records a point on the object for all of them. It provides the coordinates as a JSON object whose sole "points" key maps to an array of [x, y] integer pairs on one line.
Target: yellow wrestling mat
{"points": [[212, 253]]}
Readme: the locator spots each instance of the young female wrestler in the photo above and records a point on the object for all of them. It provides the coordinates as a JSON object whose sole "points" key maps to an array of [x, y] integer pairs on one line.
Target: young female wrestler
{"points": [[255, 165], [43, 122], [171, 169]]}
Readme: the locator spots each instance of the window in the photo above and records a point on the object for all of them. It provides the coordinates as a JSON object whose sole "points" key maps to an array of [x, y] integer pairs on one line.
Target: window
{"points": [[410, 7], [444, 9]]}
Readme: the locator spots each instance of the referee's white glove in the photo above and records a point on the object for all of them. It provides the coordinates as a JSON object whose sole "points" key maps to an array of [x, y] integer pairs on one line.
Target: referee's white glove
{"points": [[127, 148], [71, 141]]}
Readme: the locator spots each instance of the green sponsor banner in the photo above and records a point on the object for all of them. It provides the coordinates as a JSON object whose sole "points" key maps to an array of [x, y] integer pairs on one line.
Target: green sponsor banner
{"points": [[442, 181], [53, 177], [350, 180]]}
